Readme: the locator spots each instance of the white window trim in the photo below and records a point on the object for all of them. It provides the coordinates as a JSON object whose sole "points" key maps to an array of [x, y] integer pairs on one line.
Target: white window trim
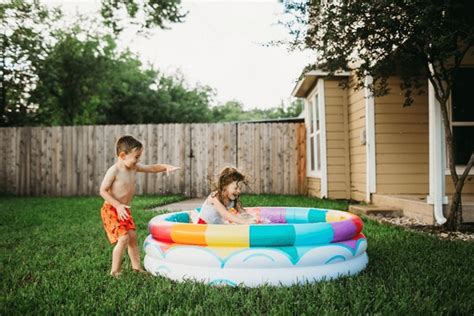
{"points": [[322, 173], [459, 170], [309, 172]]}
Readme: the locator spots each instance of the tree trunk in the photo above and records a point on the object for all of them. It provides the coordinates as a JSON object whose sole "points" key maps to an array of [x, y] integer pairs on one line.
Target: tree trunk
{"points": [[454, 218]]}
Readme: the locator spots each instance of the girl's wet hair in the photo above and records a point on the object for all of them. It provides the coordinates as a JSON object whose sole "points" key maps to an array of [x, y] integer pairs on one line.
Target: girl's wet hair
{"points": [[226, 177]]}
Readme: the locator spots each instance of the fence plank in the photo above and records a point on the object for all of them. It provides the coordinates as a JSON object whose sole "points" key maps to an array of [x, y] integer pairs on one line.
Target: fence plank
{"points": [[100, 167], [83, 160], [142, 136], [159, 159], [177, 151], [25, 134], [302, 183], [187, 160], [147, 159], [167, 143], [56, 160], [91, 157]]}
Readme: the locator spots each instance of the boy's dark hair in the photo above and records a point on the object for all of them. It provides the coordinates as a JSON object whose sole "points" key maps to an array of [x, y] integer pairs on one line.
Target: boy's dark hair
{"points": [[127, 144]]}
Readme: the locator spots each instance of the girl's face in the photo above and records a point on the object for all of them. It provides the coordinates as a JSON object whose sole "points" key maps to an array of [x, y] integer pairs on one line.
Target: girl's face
{"points": [[232, 190]]}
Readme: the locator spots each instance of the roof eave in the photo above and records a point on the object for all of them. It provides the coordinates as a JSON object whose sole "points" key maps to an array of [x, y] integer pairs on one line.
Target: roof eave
{"points": [[306, 84]]}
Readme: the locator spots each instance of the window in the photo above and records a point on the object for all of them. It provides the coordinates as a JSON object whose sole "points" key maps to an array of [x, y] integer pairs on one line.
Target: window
{"points": [[314, 135], [462, 115]]}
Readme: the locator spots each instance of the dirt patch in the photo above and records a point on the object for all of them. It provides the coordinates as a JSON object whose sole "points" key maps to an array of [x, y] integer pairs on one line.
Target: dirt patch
{"points": [[466, 233]]}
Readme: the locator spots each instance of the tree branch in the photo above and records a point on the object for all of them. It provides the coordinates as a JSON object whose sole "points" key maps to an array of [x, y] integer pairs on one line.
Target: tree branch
{"points": [[464, 175], [458, 61]]}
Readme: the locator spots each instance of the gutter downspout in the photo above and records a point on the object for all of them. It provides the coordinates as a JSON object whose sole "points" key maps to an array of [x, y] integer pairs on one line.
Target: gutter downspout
{"points": [[322, 139], [370, 139], [437, 157]]}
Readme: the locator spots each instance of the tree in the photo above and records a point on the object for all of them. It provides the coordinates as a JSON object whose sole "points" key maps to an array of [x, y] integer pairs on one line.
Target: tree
{"points": [[181, 103], [144, 13], [419, 40], [72, 84], [233, 111], [24, 28], [230, 111], [29, 30], [89, 82]]}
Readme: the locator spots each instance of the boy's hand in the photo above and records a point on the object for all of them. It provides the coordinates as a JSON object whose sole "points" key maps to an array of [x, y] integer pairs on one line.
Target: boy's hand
{"points": [[122, 212], [170, 168]]}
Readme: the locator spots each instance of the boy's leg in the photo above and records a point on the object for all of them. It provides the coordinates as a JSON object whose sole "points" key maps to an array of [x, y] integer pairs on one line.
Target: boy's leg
{"points": [[117, 254], [133, 251]]}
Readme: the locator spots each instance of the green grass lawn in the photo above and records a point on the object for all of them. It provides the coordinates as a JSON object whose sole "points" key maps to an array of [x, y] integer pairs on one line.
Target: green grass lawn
{"points": [[55, 258]]}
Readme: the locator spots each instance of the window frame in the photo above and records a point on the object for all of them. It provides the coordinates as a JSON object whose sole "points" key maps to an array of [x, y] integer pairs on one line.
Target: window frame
{"points": [[459, 168], [314, 134]]}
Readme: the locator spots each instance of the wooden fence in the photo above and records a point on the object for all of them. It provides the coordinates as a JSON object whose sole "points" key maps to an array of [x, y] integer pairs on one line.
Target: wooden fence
{"points": [[72, 160]]}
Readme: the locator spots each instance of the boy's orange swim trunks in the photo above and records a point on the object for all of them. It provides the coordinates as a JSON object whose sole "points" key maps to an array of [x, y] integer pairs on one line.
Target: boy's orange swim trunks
{"points": [[112, 225]]}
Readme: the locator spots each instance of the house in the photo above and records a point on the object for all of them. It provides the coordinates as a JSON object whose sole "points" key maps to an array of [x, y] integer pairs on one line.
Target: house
{"points": [[372, 149]]}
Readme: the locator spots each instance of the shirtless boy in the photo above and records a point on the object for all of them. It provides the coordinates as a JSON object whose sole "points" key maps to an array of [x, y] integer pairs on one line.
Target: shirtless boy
{"points": [[117, 189]]}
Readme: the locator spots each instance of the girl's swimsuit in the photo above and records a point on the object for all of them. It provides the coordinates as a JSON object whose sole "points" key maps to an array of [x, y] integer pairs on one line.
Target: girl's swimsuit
{"points": [[210, 215]]}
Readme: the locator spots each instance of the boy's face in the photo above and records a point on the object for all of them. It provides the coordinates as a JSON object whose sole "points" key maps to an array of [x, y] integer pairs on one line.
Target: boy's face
{"points": [[131, 159], [233, 190]]}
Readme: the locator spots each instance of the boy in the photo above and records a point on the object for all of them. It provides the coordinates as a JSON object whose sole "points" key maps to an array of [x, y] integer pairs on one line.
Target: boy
{"points": [[117, 189]]}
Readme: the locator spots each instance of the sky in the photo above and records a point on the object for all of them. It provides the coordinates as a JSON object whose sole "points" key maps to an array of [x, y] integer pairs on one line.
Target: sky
{"points": [[220, 44]]}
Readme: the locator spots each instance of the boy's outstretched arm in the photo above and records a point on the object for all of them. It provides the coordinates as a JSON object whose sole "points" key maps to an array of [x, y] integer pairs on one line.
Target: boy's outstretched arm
{"points": [[105, 194], [156, 168]]}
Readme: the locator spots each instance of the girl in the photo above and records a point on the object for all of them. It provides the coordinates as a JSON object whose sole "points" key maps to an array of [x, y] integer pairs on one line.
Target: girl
{"points": [[223, 206]]}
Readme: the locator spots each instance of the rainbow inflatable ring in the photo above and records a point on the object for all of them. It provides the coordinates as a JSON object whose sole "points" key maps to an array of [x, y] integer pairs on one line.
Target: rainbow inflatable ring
{"points": [[300, 245]]}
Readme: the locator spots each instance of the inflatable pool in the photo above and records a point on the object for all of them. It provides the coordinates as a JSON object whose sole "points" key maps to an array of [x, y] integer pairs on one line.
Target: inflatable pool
{"points": [[298, 245]]}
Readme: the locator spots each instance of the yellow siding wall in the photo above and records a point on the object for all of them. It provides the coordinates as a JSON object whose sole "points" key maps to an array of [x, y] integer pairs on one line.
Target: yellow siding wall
{"points": [[314, 187], [337, 143], [356, 108], [402, 143]]}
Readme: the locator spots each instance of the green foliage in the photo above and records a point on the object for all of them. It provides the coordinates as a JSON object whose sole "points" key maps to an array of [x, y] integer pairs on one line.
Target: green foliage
{"points": [[87, 81], [57, 75], [55, 259], [24, 28], [233, 111], [183, 105], [384, 38], [146, 14], [71, 84]]}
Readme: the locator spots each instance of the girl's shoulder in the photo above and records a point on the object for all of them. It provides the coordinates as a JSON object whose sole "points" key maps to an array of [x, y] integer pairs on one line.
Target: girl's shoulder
{"points": [[211, 197]]}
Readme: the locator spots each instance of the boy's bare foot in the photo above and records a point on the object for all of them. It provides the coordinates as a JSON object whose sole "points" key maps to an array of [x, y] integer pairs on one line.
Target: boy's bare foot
{"points": [[140, 271], [115, 274]]}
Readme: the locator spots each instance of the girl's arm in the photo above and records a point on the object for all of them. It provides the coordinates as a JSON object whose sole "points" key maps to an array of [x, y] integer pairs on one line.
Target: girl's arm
{"points": [[156, 168], [224, 213], [240, 209]]}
